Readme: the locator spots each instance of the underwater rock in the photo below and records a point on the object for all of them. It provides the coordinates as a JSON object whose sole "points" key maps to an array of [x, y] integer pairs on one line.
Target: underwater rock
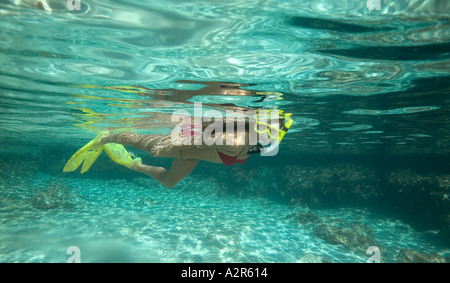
{"points": [[305, 217], [54, 196], [354, 236], [412, 256], [420, 198], [419, 195], [329, 185]]}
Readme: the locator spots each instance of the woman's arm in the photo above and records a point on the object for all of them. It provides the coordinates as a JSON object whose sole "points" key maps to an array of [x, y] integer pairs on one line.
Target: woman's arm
{"points": [[169, 178]]}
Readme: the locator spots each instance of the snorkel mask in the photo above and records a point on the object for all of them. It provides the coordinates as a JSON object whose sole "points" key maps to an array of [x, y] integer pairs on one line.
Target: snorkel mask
{"points": [[275, 133]]}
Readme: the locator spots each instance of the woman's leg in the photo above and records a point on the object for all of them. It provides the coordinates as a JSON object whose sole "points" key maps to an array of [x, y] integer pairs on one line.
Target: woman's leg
{"points": [[156, 145], [168, 178], [141, 142]]}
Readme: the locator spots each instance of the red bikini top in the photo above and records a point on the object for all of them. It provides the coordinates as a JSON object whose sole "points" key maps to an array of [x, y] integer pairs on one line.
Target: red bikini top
{"points": [[190, 130], [230, 160]]}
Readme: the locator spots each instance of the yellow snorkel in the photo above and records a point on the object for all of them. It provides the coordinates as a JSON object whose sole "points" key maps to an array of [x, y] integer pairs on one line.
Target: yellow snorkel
{"points": [[285, 128]]}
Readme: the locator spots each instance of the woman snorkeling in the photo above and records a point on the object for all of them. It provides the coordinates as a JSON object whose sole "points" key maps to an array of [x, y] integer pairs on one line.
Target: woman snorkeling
{"points": [[190, 142]]}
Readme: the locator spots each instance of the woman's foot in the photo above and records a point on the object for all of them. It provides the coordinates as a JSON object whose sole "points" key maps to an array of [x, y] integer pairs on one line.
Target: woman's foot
{"points": [[104, 137]]}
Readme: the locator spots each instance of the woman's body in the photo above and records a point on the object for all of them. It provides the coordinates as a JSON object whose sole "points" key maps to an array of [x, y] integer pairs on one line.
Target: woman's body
{"points": [[187, 146], [186, 156]]}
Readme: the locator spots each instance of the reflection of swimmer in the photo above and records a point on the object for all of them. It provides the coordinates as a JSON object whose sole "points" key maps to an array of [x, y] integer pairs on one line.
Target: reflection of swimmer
{"points": [[234, 147], [163, 98], [183, 95]]}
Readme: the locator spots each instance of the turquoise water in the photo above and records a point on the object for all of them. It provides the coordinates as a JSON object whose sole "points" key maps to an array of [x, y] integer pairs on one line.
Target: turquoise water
{"points": [[364, 164]]}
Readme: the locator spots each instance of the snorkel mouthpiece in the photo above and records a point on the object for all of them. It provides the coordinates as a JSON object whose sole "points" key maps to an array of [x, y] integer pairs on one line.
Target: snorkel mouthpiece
{"points": [[265, 150], [256, 149]]}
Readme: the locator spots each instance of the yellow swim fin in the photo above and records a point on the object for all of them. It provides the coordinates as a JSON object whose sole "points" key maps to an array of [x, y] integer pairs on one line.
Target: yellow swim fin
{"points": [[120, 155], [74, 161], [90, 158], [87, 153]]}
